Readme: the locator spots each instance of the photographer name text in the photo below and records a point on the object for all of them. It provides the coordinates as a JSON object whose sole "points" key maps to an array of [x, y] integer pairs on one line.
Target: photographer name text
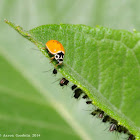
{"points": [[19, 135]]}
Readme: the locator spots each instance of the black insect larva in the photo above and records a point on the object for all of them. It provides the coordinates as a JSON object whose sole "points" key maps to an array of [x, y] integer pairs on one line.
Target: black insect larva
{"points": [[101, 114], [131, 137], [66, 82], [54, 71], [63, 82], [88, 102], [98, 112], [93, 113], [106, 118], [85, 97], [77, 92], [73, 87], [113, 121], [125, 130], [113, 127], [121, 129]]}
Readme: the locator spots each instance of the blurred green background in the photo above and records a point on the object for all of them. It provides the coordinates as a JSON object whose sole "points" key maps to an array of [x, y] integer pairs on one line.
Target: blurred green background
{"points": [[32, 102]]}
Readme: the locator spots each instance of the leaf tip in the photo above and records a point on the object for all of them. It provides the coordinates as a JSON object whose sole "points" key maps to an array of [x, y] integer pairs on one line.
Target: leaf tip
{"points": [[6, 21]]}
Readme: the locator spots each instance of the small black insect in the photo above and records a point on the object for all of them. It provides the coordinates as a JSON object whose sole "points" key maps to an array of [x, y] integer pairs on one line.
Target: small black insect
{"points": [[73, 87], [85, 97], [101, 114], [63, 82], [98, 112], [113, 127], [77, 92], [121, 129], [88, 102], [93, 113], [113, 121], [131, 137], [106, 118], [54, 71], [125, 130]]}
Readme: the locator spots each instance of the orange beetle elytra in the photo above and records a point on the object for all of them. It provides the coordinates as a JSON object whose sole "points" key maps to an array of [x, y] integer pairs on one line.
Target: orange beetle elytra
{"points": [[56, 48]]}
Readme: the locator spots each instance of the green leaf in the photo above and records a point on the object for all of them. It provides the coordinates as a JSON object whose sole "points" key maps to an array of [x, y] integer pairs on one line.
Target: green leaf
{"points": [[29, 82], [105, 63]]}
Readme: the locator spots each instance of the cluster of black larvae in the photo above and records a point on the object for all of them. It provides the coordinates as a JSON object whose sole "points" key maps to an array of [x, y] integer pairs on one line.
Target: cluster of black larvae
{"points": [[114, 126]]}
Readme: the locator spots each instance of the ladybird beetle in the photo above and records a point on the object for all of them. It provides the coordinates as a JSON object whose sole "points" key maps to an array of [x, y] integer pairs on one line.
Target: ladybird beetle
{"points": [[56, 48]]}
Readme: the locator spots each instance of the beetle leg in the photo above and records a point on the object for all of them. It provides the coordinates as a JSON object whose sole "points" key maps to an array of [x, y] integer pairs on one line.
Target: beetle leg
{"points": [[58, 65], [52, 59], [43, 48]]}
